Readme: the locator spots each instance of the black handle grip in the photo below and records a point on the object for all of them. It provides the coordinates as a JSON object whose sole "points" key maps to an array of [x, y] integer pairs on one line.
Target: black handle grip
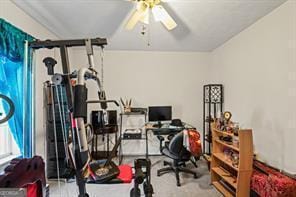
{"points": [[50, 63], [80, 105]]}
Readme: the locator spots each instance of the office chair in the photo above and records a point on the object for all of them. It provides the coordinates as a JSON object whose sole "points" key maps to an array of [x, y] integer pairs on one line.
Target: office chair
{"points": [[180, 155]]}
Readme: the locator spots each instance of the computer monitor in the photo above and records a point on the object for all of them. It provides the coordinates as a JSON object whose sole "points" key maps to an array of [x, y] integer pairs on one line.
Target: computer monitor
{"points": [[160, 113]]}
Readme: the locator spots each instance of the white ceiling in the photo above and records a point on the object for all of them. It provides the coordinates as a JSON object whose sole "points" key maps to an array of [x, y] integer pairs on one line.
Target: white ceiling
{"points": [[203, 25]]}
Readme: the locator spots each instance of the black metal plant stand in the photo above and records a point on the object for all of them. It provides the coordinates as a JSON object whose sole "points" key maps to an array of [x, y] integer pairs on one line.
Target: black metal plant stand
{"points": [[212, 108]]}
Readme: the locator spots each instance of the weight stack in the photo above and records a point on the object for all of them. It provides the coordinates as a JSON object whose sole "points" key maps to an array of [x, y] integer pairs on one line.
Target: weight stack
{"points": [[53, 121]]}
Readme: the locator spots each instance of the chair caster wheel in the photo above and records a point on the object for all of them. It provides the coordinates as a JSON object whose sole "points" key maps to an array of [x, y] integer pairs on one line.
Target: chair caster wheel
{"points": [[179, 184], [158, 174], [195, 176]]}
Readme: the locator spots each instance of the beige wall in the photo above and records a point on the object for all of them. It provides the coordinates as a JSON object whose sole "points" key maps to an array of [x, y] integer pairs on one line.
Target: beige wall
{"points": [[155, 78], [258, 70], [152, 78]]}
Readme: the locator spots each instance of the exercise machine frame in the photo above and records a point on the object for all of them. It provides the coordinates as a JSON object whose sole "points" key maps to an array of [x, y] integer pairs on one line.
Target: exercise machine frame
{"points": [[78, 103]]}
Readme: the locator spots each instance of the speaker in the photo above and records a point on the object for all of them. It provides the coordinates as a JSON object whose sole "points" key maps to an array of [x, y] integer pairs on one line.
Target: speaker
{"points": [[112, 117], [97, 119]]}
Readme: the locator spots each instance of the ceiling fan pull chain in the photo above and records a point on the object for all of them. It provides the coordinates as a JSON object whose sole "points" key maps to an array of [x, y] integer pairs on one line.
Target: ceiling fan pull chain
{"points": [[102, 67], [148, 36]]}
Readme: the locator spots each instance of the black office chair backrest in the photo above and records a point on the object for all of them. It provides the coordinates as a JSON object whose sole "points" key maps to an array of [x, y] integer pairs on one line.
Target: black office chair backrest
{"points": [[176, 146]]}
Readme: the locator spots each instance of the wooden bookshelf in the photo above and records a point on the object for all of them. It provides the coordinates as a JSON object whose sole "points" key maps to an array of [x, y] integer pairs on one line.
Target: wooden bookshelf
{"points": [[221, 158], [227, 145], [222, 189], [228, 179]]}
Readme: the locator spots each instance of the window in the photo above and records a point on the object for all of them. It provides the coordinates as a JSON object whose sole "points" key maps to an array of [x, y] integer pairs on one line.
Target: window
{"points": [[8, 146], [16, 83]]}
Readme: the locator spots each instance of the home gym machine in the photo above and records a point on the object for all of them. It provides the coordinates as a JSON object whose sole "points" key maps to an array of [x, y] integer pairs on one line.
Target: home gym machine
{"points": [[77, 101]]}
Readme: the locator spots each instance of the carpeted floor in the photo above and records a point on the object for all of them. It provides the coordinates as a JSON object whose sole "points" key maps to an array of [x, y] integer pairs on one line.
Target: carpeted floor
{"points": [[164, 186]]}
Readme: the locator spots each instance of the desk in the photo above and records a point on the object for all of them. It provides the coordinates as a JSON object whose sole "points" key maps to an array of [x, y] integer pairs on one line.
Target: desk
{"points": [[165, 129]]}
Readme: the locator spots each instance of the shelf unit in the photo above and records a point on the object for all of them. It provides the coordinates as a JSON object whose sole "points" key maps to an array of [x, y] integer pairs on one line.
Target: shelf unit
{"points": [[226, 178], [212, 108], [126, 116]]}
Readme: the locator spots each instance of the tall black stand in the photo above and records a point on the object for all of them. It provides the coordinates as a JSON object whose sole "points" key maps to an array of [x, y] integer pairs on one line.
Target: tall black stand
{"points": [[212, 108]]}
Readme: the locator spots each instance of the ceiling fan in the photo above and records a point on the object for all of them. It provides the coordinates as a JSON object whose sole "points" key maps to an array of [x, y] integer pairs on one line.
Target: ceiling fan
{"points": [[142, 12]]}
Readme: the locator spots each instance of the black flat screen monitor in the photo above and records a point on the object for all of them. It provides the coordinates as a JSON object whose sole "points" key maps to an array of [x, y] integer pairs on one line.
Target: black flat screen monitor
{"points": [[160, 113]]}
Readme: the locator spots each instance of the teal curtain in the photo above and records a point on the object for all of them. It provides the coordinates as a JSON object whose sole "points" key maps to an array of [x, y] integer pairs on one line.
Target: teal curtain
{"points": [[16, 82]]}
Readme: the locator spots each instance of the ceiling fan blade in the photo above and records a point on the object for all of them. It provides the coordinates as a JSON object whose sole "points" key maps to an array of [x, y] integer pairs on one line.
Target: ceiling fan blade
{"points": [[156, 13], [138, 15], [133, 20], [160, 14], [145, 17]]}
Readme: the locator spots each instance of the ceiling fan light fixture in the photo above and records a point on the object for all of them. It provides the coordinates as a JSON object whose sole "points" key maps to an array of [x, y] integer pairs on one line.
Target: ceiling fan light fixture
{"points": [[143, 11], [142, 6]]}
